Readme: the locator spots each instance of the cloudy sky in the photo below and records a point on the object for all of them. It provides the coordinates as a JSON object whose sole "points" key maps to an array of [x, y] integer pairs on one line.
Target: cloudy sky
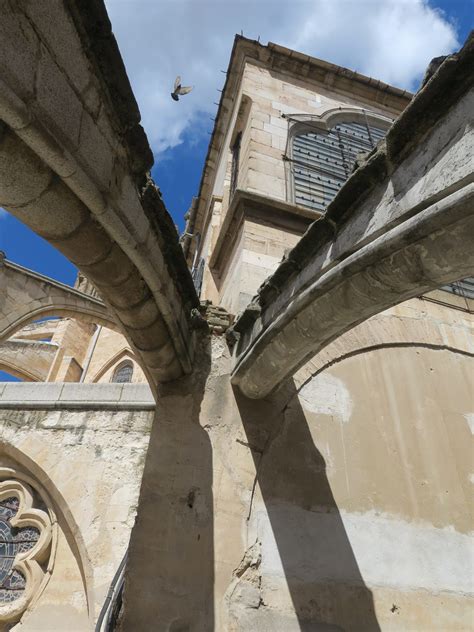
{"points": [[392, 40]]}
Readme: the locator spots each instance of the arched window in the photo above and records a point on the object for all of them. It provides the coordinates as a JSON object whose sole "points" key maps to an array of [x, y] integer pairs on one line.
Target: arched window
{"points": [[123, 373], [323, 159]]}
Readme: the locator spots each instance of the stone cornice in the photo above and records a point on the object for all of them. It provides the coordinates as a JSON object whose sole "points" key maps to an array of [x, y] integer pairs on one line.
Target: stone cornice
{"points": [[249, 204]]}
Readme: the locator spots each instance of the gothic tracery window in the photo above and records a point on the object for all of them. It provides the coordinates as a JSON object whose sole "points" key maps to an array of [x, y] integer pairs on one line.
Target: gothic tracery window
{"points": [[13, 540], [123, 373], [25, 537], [322, 160]]}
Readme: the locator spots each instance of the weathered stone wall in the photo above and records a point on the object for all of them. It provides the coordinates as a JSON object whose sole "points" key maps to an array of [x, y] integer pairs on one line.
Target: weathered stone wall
{"points": [[85, 445], [341, 502]]}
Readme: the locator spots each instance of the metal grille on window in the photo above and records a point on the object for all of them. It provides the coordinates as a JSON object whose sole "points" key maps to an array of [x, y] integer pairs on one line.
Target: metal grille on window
{"points": [[464, 288], [234, 176], [123, 373], [323, 160]]}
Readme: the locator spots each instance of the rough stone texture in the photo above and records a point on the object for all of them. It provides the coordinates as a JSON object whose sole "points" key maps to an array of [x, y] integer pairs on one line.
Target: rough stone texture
{"points": [[319, 507], [404, 236], [94, 496], [28, 360]]}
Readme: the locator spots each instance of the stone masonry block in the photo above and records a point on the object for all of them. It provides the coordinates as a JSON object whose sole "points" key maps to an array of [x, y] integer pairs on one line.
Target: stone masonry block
{"points": [[57, 105], [95, 151], [266, 167], [19, 46], [137, 393], [91, 392], [31, 392], [57, 30], [265, 184], [274, 130], [56, 213], [262, 137], [16, 158]]}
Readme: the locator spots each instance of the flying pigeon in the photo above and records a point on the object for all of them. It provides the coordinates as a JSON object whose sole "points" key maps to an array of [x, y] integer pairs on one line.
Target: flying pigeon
{"points": [[179, 90]]}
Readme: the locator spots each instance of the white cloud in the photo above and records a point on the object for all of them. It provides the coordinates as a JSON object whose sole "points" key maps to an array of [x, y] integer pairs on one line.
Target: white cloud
{"points": [[392, 40]]}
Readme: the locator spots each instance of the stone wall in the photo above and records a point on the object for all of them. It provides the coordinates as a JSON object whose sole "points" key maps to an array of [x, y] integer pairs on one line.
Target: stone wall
{"points": [[84, 447], [339, 503]]}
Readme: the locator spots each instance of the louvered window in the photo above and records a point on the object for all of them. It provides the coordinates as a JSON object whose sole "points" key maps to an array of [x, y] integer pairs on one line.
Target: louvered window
{"points": [[323, 160]]}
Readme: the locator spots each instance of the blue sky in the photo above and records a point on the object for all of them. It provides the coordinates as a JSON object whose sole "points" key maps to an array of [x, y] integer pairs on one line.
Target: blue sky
{"points": [[389, 39]]}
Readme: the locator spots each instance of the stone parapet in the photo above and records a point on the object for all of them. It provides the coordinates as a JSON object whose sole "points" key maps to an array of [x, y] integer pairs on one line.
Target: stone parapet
{"points": [[67, 395]]}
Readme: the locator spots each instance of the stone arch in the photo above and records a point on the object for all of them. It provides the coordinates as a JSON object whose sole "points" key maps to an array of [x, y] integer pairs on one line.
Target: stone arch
{"points": [[27, 360], [28, 296], [404, 331], [19, 465], [85, 186]]}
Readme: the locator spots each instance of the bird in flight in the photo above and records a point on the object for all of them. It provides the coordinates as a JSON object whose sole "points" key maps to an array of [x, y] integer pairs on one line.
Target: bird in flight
{"points": [[179, 90]]}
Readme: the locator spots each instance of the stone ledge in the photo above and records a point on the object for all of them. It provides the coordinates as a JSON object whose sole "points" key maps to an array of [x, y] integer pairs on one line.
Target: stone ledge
{"points": [[72, 395]]}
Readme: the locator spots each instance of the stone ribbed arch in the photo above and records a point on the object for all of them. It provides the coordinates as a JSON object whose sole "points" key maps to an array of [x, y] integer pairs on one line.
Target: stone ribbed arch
{"points": [[27, 360], [400, 226], [26, 296], [74, 167]]}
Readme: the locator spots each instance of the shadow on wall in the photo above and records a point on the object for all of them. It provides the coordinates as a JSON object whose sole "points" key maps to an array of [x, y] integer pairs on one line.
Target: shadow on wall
{"points": [[299, 515], [169, 579]]}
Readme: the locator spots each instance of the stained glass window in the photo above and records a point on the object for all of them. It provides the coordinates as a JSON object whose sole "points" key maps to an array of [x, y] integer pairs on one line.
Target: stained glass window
{"points": [[13, 540], [123, 373]]}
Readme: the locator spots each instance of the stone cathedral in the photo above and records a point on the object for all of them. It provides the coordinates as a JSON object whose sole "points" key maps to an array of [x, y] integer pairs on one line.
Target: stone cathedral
{"points": [[264, 424]]}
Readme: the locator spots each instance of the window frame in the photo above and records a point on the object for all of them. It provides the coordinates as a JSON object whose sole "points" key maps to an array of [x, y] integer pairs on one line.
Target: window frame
{"points": [[299, 124]]}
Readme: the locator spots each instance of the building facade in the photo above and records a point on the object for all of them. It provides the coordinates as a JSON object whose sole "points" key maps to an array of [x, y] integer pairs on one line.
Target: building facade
{"points": [[339, 502]]}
